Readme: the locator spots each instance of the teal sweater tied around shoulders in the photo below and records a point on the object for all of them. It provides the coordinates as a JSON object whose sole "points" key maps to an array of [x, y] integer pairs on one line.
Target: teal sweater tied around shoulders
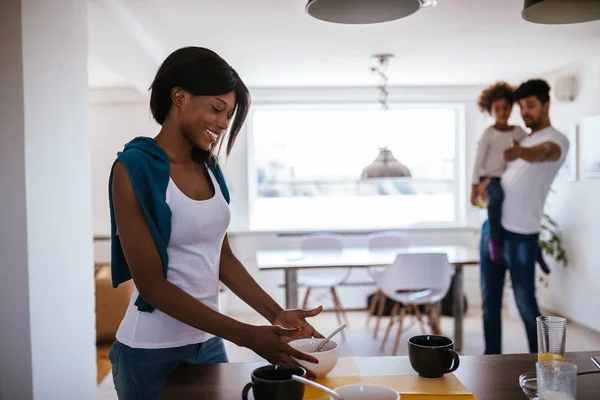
{"points": [[149, 170]]}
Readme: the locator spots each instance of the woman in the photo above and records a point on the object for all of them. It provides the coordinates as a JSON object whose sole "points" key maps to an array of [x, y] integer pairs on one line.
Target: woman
{"points": [[169, 216]]}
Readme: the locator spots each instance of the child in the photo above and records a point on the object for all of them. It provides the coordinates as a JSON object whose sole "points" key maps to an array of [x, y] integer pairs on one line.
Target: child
{"points": [[497, 100]]}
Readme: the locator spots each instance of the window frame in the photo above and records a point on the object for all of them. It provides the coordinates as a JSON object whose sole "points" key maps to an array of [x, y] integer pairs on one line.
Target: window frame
{"points": [[460, 167]]}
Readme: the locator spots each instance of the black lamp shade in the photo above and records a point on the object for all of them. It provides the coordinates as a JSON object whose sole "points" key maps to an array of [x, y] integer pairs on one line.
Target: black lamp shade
{"points": [[555, 12], [361, 11]]}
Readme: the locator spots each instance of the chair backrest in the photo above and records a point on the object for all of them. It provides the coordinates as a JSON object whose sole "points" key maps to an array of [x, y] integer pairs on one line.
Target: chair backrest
{"points": [[386, 240], [323, 241], [329, 242], [417, 271]]}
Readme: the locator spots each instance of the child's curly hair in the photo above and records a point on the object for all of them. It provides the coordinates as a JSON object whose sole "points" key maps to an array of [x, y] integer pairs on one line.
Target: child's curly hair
{"points": [[497, 91]]}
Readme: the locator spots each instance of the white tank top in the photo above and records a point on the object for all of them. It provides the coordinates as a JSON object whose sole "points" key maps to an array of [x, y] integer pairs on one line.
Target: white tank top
{"points": [[198, 228]]}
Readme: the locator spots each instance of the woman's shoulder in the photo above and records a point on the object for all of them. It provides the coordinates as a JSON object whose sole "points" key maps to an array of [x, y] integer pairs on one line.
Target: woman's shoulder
{"points": [[143, 148], [144, 160], [143, 152]]}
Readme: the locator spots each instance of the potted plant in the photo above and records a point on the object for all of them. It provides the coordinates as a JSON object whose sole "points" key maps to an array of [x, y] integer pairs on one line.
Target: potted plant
{"points": [[552, 244]]}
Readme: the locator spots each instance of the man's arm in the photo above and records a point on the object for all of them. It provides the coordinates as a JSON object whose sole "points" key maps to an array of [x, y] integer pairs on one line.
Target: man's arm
{"points": [[543, 152]]}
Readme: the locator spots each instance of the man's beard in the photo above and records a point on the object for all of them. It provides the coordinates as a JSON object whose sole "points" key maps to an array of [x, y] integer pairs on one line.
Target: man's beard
{"points": [[532, 123]]}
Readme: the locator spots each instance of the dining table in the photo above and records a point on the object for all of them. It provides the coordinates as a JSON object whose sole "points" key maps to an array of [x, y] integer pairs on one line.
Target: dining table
{"points": [[292, 260], [488, 377]]}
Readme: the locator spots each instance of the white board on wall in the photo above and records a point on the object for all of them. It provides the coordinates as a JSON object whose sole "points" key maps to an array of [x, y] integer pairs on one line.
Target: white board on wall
{"points": [[589, 132]]}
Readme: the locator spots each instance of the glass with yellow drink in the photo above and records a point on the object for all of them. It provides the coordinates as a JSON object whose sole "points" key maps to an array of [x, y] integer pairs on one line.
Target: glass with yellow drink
{"points": [[550, 357], [552, 336]]}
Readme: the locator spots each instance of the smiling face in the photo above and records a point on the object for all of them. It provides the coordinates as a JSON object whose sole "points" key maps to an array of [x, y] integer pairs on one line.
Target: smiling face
{"points": [[204, 119]]}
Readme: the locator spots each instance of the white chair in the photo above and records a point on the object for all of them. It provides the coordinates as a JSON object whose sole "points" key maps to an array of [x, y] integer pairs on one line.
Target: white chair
{"points": [[378, 241], [415, 280], [384, 241], [324, 278]]}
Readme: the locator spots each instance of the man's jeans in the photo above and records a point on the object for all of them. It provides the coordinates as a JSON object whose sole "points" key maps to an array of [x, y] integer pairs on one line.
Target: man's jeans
{"points": [[519, 255]]}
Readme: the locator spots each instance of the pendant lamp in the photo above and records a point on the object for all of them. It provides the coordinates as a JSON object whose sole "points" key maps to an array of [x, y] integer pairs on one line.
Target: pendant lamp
{"points": [[364, 11], [556, 12]]}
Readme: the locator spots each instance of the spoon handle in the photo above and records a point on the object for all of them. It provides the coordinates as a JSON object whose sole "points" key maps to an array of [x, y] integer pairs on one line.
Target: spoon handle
{"points": [[325, 389], [597, 371], [337, 330]]}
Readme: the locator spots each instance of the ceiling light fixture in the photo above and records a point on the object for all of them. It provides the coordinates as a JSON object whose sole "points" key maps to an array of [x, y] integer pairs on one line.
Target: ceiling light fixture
{"points": [[364, 11], [556, 12], [385, 165]]}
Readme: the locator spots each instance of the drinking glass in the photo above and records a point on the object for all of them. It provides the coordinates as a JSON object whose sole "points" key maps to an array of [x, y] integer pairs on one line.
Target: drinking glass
{"points": [[556, 380], [552, 335]]}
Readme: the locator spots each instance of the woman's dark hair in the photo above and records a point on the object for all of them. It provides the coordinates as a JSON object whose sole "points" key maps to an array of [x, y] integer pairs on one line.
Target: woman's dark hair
{"points": [[499, 90], [534, 87], [201, 72]]}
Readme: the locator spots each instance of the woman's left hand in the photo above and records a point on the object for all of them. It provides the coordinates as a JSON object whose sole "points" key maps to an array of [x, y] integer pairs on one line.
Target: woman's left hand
{"points": [[293, 319]]}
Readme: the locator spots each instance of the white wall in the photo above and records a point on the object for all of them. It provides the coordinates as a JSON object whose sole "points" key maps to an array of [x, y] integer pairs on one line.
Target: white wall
{"points": [[573, 291], [47, 337]]}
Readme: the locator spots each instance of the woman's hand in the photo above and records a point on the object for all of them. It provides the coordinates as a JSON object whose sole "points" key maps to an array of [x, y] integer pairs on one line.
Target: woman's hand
{"points": [[296, 319], [270, 342]]}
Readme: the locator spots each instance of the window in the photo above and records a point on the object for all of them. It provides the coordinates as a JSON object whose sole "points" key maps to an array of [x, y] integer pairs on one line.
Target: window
{"points": [[308, 163]]}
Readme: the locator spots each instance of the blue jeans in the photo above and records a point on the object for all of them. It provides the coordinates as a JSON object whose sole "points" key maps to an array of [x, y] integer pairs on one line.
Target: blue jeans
{"points": [[142, 374], [519, 254], [494, 208]]}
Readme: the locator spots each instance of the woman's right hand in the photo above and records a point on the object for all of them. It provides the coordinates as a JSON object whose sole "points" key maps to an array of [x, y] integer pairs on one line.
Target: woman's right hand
{"points": [[268, 342]]}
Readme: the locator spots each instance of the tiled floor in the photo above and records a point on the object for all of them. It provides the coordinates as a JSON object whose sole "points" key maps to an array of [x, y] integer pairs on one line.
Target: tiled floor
{"points": [[359, 339]]}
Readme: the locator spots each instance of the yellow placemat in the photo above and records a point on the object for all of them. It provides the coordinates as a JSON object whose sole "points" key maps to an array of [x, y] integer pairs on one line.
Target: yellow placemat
{"points": [[410, 387]]}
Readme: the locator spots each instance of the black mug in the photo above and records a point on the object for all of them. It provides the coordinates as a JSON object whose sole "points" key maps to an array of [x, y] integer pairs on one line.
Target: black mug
{"points": [[432, 356], [274, 382]]}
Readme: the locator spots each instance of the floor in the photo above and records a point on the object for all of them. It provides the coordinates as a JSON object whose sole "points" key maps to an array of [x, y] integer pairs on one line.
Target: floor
{"points": [[359, 340], [102, 361]]}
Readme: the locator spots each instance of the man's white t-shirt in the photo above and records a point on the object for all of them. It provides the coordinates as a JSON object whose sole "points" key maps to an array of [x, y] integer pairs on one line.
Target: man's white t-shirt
{"points": [[526, 185]]}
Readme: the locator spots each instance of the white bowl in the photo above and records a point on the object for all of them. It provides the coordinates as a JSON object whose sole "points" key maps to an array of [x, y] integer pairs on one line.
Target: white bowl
{"points": [[328, 356], [366, 392]]}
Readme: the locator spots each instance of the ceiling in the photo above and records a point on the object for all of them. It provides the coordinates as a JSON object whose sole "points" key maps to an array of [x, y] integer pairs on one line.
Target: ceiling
{"points": [[275, 43]]}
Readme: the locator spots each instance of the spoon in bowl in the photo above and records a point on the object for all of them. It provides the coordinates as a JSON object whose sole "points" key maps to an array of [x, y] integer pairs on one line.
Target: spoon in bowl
{"points": [[325, 389], [337, 330]]}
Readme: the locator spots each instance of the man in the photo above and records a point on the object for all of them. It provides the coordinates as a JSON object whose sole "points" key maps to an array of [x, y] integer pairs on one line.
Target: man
{"points": [[532, 166]]}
